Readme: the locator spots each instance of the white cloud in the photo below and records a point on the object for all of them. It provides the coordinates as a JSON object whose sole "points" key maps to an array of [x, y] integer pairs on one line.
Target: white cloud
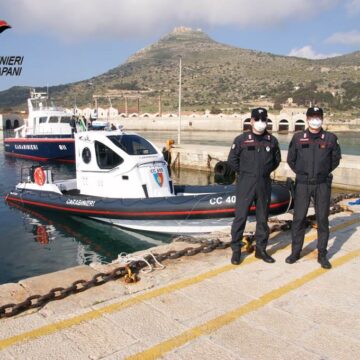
{"points": [[353, 7], [74, 19], [351, 38], [309, 53]]}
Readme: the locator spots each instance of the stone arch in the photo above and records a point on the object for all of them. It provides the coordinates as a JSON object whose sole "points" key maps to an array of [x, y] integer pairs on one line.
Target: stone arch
{"points": [[299, 125], [247, 124], [16, 123], [146, 115], [8, 124], [269, 126], [134, 115], [283, 126]]}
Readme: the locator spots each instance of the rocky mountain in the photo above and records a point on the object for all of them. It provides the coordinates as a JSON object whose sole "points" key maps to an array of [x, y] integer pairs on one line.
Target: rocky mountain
{"points": [[214, 75]]}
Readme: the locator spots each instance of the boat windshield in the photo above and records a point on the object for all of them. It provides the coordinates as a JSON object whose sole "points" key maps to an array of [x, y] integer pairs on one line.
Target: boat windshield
{"points": [[133, 144]]}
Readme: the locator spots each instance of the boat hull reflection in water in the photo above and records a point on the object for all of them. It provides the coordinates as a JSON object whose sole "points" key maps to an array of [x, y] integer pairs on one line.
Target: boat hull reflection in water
{"points": [[48, 227]]}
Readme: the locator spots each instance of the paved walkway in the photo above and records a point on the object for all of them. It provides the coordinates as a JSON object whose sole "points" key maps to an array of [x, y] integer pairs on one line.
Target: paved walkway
{"points": [[205, 308]]}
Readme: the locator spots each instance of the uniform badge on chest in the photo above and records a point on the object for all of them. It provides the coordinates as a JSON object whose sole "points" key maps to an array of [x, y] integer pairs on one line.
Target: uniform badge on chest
{"points": [[267, 148]]}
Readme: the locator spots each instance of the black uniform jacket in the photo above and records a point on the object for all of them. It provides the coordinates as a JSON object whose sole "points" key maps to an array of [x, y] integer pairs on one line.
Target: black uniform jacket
{"points": [[313, 159], [255, 156]]}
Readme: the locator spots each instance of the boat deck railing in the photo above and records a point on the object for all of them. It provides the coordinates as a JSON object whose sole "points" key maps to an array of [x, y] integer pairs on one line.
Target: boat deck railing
{"points": [[20, 131], [7, 133], [24, 130]]}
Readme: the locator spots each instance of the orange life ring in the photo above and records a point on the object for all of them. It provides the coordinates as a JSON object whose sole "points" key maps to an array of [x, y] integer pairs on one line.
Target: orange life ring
{"points": [[39, 176], [42, 235]]}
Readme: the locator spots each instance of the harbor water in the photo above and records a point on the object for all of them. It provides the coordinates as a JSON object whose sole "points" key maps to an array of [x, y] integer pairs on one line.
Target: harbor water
{"points": [[35, 243]]}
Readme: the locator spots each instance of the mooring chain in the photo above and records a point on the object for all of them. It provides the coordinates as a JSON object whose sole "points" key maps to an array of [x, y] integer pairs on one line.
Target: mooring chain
{"points": [[341, 197], [129, 271], [35, 301], [279, 225]]}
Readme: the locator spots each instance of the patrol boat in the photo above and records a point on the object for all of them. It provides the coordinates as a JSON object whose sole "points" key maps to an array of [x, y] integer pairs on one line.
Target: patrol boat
{"points": [[47, 133], [122, 179]]}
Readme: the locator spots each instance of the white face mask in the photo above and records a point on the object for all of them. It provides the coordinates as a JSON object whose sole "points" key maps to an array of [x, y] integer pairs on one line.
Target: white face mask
{"points": [[260, 126], [315, 123]]}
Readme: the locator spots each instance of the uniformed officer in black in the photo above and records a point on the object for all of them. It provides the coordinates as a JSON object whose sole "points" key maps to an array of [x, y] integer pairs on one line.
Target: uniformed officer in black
{"points": [[313, 155], [253, 156]]}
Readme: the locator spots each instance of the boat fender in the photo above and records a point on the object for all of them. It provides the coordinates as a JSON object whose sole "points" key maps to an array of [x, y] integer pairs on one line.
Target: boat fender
{"points": [[222, 168], [39, 176], [31, 173], [224, 174]]}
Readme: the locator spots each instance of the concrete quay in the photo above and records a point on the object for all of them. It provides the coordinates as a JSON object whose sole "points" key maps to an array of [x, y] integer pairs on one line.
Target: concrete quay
{"points": [[202, 307], [205, 157]]}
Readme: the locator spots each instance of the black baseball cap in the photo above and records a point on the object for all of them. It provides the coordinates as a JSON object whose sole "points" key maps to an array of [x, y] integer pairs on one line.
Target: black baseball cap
{"points": [[259, 113], [314, 111]]}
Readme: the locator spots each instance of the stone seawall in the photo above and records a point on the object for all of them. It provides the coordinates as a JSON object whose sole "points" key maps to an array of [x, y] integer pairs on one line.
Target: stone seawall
{"points": [[218, 123], [204, 157]]}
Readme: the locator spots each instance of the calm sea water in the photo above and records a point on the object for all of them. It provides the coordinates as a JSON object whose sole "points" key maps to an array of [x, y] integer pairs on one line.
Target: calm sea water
{"points": [[34, 243]]}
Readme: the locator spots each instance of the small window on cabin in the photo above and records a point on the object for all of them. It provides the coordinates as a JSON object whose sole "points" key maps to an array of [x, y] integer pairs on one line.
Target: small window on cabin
{"points": [[105, 157], [53, 120], [42, 119], [65, 119], [133, 144], [86, 155]]}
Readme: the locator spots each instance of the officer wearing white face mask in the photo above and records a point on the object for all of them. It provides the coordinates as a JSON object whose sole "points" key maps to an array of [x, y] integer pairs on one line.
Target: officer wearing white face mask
{"points": [[313, 154], [253, 156]]}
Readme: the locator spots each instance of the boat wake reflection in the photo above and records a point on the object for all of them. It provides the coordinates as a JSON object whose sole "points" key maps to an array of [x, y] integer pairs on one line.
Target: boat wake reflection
{"points": [[107, 241]]}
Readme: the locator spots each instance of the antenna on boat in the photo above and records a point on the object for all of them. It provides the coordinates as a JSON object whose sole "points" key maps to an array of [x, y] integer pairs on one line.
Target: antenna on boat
{"points": [[75, 106], [109, 112], [179, 115]]}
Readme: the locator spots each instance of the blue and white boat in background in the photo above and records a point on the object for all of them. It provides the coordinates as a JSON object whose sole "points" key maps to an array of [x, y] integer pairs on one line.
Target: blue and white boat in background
{"points": [[48, 132]]}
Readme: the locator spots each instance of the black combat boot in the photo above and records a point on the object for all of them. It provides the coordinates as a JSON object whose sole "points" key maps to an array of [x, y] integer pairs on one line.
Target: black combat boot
{"points": [[292, 258], [235, 258], [263, 255], [324, 262]]}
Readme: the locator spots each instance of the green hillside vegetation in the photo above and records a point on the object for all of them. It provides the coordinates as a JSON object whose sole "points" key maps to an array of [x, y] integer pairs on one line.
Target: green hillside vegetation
{"points": [[215, 76]]}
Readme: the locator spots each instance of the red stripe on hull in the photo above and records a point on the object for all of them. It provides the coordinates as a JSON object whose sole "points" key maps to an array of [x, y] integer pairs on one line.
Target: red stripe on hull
{"points": [[63, 161], [105, 212], [28, 157], [38, 158]]}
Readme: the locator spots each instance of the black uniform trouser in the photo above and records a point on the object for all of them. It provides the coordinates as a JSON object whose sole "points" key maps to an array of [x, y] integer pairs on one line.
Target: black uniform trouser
{"points": [[321, 195], [248, 190]]}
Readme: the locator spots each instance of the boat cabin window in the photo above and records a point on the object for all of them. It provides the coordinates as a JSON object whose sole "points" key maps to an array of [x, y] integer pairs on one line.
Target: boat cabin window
{"points": [[133, 144], [53, 120], [105, 157], [65, 119], [42, 119]]}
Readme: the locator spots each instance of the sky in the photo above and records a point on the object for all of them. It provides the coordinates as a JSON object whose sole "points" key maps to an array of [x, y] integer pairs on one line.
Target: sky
{"points": [[65, 41]]}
